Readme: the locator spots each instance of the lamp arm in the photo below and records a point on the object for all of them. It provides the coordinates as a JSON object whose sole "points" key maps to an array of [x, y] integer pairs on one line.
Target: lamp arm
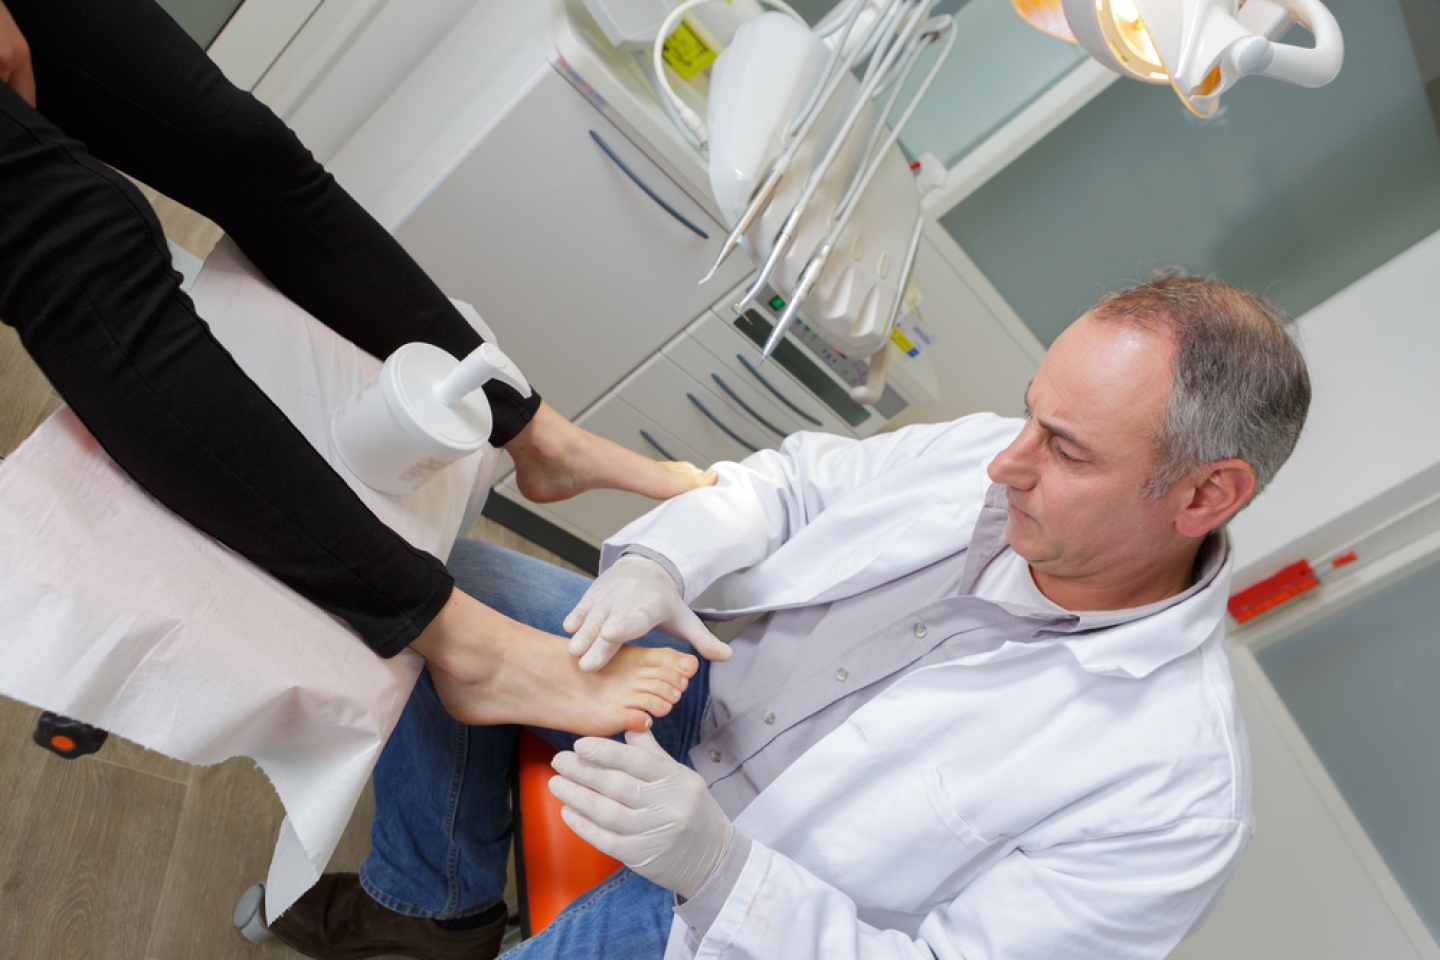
{"points": [[1264, 56]]}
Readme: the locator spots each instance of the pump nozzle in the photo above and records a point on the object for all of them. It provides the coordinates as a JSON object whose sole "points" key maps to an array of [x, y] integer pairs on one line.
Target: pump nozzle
{"points": [[485, 363]]}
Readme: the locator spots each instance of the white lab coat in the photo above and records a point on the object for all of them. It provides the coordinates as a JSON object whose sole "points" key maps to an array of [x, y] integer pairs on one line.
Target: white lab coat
{"points": [[1086, 796]]}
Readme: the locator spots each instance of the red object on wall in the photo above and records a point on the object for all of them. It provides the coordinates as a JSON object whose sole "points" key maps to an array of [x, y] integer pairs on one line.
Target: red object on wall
{"points": [[1268, 594]]}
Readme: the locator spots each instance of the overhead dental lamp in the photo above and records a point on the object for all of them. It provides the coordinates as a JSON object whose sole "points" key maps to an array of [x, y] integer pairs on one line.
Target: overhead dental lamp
{"points": [[1198, 47]]}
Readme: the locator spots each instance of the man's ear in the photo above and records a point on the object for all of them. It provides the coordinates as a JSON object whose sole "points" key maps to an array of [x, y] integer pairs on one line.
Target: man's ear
{"points": [[1217, 493]]}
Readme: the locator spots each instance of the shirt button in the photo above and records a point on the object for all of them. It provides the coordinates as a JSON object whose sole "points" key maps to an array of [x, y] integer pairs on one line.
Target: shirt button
{"points": [[769, 716], [842, 674], [920, 630], [715, 755]]}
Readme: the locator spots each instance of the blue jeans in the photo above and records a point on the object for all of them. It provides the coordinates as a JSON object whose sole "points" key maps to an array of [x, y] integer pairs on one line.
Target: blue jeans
{"points": [[442, 798]]}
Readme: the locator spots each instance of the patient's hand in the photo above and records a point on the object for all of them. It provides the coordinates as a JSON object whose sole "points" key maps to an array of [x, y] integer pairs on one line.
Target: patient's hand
{"points": [[489, 669], [555, 460], [15, 68]]}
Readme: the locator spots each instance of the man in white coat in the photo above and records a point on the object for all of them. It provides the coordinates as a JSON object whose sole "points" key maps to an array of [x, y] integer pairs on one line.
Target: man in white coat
{"points": [[997, 656], [987, 713]]}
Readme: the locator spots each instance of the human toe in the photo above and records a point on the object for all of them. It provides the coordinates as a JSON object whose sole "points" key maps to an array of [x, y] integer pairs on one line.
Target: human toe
{"points": [[638, 721]]}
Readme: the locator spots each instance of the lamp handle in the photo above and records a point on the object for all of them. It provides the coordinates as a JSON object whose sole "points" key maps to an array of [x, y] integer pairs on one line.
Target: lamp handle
{"points": [[1308, 67]]}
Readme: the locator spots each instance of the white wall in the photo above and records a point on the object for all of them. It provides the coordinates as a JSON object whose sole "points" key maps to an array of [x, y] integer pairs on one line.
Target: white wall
{"points": [[1311, 885], [350, 56], [1374, 356]]}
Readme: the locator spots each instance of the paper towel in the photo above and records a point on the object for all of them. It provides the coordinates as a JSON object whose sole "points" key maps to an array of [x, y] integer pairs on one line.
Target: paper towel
{"points": [[120, 614]]}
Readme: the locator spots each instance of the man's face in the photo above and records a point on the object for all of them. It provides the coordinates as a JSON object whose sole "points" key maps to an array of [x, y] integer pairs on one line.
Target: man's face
{"points": [[1077, 472]]}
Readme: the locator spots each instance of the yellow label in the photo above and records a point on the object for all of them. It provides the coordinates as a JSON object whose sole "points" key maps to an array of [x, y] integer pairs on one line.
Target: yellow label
{"points": [[686, 53], [901, 341]]}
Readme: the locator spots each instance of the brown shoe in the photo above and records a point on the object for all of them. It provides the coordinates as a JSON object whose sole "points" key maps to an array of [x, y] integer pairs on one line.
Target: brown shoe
{"points": [[337, 920]]}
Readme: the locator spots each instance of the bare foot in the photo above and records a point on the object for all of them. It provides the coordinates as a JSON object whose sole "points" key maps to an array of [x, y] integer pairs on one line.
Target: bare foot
{"points": [[555, 460], [488, 669]]}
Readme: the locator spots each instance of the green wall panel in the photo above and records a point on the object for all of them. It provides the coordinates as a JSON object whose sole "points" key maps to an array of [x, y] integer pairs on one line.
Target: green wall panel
{"points": [[1363, 686], [1290, 192]]}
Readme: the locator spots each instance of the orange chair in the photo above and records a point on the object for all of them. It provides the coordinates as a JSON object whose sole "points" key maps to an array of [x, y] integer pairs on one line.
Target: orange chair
{"points": [[552, 865]]}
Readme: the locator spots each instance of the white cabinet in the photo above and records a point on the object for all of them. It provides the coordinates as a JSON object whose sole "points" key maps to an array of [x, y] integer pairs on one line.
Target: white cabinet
{"points": [[523, 211], [580, 272]]}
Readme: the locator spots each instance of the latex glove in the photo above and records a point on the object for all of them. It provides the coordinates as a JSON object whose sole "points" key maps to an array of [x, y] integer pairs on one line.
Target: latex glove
{"points": [[635, 803], [633, 597], [15, 69]]}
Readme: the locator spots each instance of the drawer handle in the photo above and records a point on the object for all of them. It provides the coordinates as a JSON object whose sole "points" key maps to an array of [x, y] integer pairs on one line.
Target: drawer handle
{"points": [[778, 395], [643, 186], [716, 420], [645, 435], [748, 409]]}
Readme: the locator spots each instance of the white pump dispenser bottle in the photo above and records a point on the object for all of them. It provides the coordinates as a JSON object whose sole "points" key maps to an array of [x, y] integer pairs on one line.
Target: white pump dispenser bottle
{"points": [[424, 411]]}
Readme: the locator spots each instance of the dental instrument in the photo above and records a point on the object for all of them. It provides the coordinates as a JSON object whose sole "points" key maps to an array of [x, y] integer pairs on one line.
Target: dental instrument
{"points": [[790, 226], [857, 194], [840, 63], [815, 268]]}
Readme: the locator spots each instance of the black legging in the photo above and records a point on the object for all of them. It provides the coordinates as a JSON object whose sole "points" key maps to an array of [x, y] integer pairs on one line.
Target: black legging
{"points": [[85, 278]]}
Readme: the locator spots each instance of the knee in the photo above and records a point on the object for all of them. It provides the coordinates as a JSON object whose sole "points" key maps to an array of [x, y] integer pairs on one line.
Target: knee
{"points": [[260, 144]]}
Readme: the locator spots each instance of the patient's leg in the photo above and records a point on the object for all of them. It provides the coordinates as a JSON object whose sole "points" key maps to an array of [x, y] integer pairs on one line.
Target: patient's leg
{"points": [[625, 916], [522, 675], [512, 665], [555, 460], [174, 121], [442, 813]]}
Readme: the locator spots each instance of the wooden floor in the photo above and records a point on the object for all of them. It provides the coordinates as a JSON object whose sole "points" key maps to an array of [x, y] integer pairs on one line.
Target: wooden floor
{"points": [[129, 855]]}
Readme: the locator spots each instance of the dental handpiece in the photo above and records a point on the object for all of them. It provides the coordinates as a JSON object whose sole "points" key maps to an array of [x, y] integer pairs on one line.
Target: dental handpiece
{"points": [[757, 203], [809, 277], [799, 127], [783, 239]]}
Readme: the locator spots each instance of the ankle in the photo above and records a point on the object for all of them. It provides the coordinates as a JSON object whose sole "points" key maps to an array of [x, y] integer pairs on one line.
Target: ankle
{"points": [[465, 639]]}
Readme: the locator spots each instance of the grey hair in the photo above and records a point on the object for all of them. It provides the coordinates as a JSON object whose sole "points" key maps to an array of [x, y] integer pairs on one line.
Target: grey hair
{"points": [[1238, 388]]}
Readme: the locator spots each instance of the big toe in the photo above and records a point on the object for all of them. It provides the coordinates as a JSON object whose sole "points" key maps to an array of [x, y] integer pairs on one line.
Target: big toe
{"points": [[686, 476], [638, 720], [685, 663]]}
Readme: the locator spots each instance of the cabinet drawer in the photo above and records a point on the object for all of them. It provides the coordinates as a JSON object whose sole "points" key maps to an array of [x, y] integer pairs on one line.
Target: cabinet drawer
{"points": [[759, 410], [737, 361], [807, 378], [701, 418]]}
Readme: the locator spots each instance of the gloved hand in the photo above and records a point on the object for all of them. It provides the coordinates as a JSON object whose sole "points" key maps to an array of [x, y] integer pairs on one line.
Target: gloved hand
{"points": [[635, 803], [633, 597]]}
